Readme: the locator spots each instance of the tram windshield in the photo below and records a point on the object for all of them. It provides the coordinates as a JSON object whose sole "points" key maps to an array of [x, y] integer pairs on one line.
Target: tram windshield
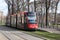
{"points": [[31, 17]]}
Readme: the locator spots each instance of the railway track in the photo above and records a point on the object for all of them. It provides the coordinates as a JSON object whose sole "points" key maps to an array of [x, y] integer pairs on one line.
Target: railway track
{"points": [[5, 35], [26, 36], [19, 36], [13, 34]]}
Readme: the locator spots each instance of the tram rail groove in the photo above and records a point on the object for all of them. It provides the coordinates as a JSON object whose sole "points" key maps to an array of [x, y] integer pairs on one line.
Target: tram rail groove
{"points": [[19, 36], [16, 35], [5, 36]]}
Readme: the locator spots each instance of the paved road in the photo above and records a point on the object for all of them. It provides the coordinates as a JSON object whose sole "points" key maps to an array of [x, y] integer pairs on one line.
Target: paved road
{"points": [[7, 33]]}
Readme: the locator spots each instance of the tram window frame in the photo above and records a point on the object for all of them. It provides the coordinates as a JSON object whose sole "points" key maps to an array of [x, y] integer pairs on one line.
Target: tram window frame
{"points": [[25, 15]]}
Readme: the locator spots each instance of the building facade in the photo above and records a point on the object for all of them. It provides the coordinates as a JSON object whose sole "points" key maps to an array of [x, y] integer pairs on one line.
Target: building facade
{"points": [[2, 18]]}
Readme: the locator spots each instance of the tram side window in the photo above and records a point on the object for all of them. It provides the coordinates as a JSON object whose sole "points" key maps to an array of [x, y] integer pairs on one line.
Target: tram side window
{"points": [[19, 19], [15, 20]]}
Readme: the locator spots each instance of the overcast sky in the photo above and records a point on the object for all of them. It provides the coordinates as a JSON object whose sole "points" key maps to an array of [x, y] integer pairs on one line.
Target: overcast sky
{"points": [[4, 7]]}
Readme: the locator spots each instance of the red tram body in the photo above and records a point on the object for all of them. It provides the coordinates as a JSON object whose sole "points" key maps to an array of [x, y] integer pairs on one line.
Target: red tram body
{"points": [[23, 20]]}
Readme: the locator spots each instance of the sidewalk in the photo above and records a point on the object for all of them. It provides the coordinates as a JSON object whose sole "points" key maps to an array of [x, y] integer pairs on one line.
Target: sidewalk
{"points": [[50, 30]]}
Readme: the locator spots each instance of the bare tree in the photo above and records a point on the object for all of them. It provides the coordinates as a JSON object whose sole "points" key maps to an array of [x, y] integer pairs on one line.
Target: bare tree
{"points": [[55, 21]]}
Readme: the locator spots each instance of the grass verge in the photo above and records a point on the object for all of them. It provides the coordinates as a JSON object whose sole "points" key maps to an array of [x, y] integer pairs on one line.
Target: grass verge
{"points": [[51, 36]]}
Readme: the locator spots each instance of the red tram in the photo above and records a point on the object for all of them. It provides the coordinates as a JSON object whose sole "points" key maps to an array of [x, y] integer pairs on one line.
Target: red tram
{"points": [[23, 20]]}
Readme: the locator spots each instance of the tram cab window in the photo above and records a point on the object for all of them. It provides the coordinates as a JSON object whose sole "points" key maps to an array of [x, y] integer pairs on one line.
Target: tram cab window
{"points": [[32, 21], [31, 17]]}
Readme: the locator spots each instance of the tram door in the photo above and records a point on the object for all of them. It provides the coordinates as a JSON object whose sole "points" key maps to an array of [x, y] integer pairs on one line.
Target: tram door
{"points": [[19, 21], [25, 20], [8, 21]]}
